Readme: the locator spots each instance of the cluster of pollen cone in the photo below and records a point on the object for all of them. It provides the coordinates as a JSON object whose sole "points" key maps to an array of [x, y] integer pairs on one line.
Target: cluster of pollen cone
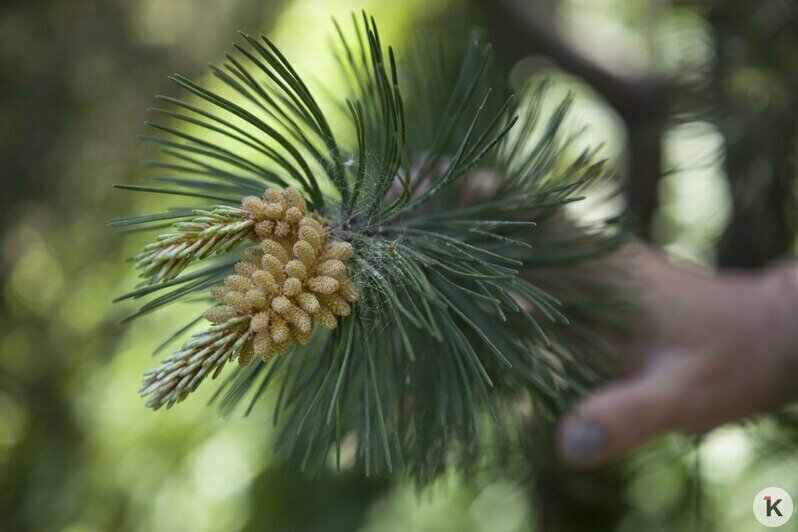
{"points": [[294, 279]]}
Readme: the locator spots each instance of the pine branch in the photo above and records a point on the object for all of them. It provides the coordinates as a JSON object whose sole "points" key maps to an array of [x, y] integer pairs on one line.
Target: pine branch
{"points": [[209, 232], [205, 354], [436, 314]]}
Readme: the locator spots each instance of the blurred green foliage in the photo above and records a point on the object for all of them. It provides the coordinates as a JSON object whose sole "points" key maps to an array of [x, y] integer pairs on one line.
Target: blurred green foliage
{"points": [[78, 449]]}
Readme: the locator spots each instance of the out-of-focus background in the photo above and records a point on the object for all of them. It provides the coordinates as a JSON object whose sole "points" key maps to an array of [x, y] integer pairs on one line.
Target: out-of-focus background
{"points": [[695, 101]]}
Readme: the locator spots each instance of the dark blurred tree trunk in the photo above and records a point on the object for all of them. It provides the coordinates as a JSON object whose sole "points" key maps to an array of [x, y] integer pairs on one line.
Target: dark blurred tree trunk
{"points": [[755, 87]]}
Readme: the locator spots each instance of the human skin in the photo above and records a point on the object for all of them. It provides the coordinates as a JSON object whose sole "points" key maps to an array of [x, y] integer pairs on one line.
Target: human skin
{"points": [[708, 349]]}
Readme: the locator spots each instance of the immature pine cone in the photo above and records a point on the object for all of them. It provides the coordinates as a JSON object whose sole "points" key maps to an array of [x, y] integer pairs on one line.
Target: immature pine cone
{"points": [[293, 279]]}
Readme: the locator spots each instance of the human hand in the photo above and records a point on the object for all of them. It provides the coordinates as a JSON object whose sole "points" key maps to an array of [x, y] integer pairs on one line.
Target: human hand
{"points": [[708, 350]]}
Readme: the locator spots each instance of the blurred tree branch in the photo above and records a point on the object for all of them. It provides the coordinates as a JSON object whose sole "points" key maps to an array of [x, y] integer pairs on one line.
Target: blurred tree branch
{"points": [[641, 101]]}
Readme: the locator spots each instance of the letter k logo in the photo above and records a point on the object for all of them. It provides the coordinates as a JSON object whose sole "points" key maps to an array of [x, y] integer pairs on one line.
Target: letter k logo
{"points": [[772, 506]]}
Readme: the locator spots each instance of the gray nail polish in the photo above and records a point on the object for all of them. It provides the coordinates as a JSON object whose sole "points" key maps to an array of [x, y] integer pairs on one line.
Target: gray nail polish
{"points": [[582, 441]]}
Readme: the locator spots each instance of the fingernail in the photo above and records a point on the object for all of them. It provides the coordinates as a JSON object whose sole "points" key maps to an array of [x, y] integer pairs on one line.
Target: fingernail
{"points": [[582, 441]]}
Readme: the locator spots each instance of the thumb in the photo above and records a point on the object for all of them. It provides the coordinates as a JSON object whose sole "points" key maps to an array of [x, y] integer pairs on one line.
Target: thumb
{"points": [[618, 418]]}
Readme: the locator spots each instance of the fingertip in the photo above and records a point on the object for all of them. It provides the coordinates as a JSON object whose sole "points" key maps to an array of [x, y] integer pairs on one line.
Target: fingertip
{"points": [[581, 442], [617, 419]]}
